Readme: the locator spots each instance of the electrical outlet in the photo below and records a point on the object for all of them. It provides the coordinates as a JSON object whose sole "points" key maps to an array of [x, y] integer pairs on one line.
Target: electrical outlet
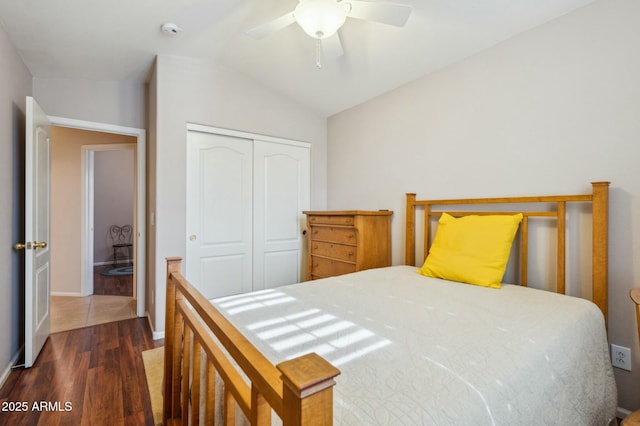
{"points": [[621, 357]]}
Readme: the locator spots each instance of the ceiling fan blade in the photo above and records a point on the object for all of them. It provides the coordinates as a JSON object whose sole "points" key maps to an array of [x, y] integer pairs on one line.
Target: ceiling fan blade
{"points": [[386, 13], [332, 47], [270, 27]]}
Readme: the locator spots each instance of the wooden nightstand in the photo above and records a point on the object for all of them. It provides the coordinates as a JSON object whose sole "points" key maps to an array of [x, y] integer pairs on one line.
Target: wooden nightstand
{"points": [[345, 241]]}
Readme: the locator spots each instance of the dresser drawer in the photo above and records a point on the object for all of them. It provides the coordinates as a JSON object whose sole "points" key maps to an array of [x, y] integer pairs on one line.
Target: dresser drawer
{"points": [[335, 251], [332, 220], [328, 268], [334, 235]]}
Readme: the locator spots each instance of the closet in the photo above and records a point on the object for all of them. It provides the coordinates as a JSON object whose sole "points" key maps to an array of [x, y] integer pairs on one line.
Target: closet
{"points": [[245, 197]]}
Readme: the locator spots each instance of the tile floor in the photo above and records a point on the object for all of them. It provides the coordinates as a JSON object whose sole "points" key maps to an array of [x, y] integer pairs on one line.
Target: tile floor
{"points": [[68, 313]]}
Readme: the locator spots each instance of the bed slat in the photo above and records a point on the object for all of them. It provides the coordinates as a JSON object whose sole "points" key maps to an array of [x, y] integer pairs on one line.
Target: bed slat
{"points": [[210, 389], [524, 252], [261, 413], [195, 381], [562, 248]]}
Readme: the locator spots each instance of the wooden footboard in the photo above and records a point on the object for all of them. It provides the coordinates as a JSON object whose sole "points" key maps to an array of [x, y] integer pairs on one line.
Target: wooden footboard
{"points": [[300, 391]]}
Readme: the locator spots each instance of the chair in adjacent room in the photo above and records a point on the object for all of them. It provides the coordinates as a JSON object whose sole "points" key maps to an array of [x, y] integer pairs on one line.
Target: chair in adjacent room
{"points": [[121, 243]]}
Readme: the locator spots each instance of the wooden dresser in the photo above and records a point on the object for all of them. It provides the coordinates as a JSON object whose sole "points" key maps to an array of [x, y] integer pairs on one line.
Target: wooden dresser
{"points": [[346, 241]]}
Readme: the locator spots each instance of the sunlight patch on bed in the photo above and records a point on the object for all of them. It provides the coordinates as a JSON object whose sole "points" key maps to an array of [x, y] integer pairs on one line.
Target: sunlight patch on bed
{"points": [[291, 342], [310, 330], [243, 303], [352, 338], [277, 332], [245, 308], [279, 320], [303, 314], [360, 352], [333, 328], [229, 301], [280, 301], [266, 323], [316, 321], [323, 350], [314, 325]]}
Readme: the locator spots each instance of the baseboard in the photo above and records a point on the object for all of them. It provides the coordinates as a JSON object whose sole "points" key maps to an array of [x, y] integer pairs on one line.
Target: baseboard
{"points": [[66, 293], [157, 335], [622, 413], [110, 262], [7, 371]]}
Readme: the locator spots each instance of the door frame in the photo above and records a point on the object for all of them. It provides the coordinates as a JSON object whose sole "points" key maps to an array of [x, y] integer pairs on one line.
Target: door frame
{"points": [[88, 212], [140, 207]]}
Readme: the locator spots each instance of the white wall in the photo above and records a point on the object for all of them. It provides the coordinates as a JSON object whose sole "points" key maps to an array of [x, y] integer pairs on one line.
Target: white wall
{"points": [[15, 85], [196, 91], [545, 112], [113, 199], [112, 102]]}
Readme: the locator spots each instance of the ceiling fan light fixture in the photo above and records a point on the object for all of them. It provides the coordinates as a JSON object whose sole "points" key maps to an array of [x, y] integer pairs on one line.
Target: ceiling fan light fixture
{"points": [[320, 18]]}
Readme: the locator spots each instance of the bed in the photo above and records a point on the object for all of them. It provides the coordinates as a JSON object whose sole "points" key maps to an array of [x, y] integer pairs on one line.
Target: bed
{"points": [[390, 346]]}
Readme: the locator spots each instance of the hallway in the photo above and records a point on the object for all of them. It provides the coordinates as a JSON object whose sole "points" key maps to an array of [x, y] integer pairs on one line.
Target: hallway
{"points": [[112, 301]]}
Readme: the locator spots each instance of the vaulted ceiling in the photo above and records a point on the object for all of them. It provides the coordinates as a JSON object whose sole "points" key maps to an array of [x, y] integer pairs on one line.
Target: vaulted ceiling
{"points": [[118, 40]]}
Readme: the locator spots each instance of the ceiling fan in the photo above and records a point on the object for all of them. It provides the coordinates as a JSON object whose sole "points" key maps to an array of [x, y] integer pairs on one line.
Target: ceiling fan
{"points": [[321, 20]]}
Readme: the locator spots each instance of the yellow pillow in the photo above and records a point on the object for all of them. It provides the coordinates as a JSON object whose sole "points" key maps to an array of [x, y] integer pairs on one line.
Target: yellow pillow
{"points": [[472, 249]]}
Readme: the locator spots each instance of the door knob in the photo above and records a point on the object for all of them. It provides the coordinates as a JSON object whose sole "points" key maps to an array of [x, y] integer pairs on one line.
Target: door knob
{"points": [[29, 246]]}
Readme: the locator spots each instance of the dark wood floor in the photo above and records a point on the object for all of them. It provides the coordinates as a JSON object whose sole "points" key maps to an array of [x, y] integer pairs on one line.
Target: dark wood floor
{"points": [[89, 376], [111, 286]]}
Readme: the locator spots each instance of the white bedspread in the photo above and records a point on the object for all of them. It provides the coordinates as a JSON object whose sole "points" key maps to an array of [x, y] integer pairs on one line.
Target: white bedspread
{"points": [[422, 351]]}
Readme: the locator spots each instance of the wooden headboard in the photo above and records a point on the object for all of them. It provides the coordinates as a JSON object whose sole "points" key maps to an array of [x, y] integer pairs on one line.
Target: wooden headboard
{"points": [[599, 199]]}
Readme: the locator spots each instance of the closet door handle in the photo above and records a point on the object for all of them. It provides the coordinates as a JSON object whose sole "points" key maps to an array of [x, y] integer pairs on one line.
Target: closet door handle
{"points": [[192, 237]]}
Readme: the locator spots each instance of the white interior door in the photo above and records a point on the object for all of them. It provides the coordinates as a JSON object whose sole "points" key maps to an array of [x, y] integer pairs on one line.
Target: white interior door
{"points": [[281, 192], [219, 213], [37, 231]]}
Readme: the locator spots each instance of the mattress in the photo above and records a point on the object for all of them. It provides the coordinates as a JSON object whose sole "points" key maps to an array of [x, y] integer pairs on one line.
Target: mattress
{"points": [[422, 351]]}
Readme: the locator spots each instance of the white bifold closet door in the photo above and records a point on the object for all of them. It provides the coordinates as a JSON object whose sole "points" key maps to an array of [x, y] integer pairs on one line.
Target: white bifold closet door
{"points": [[245, 199]]}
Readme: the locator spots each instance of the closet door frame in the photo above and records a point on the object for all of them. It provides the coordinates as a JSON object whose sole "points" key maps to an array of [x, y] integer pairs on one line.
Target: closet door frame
{"points": [[245, 135], [260, 138]]}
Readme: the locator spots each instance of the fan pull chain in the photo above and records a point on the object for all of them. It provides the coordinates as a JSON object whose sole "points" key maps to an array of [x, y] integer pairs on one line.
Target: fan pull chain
{"points": [[318, 46]]}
